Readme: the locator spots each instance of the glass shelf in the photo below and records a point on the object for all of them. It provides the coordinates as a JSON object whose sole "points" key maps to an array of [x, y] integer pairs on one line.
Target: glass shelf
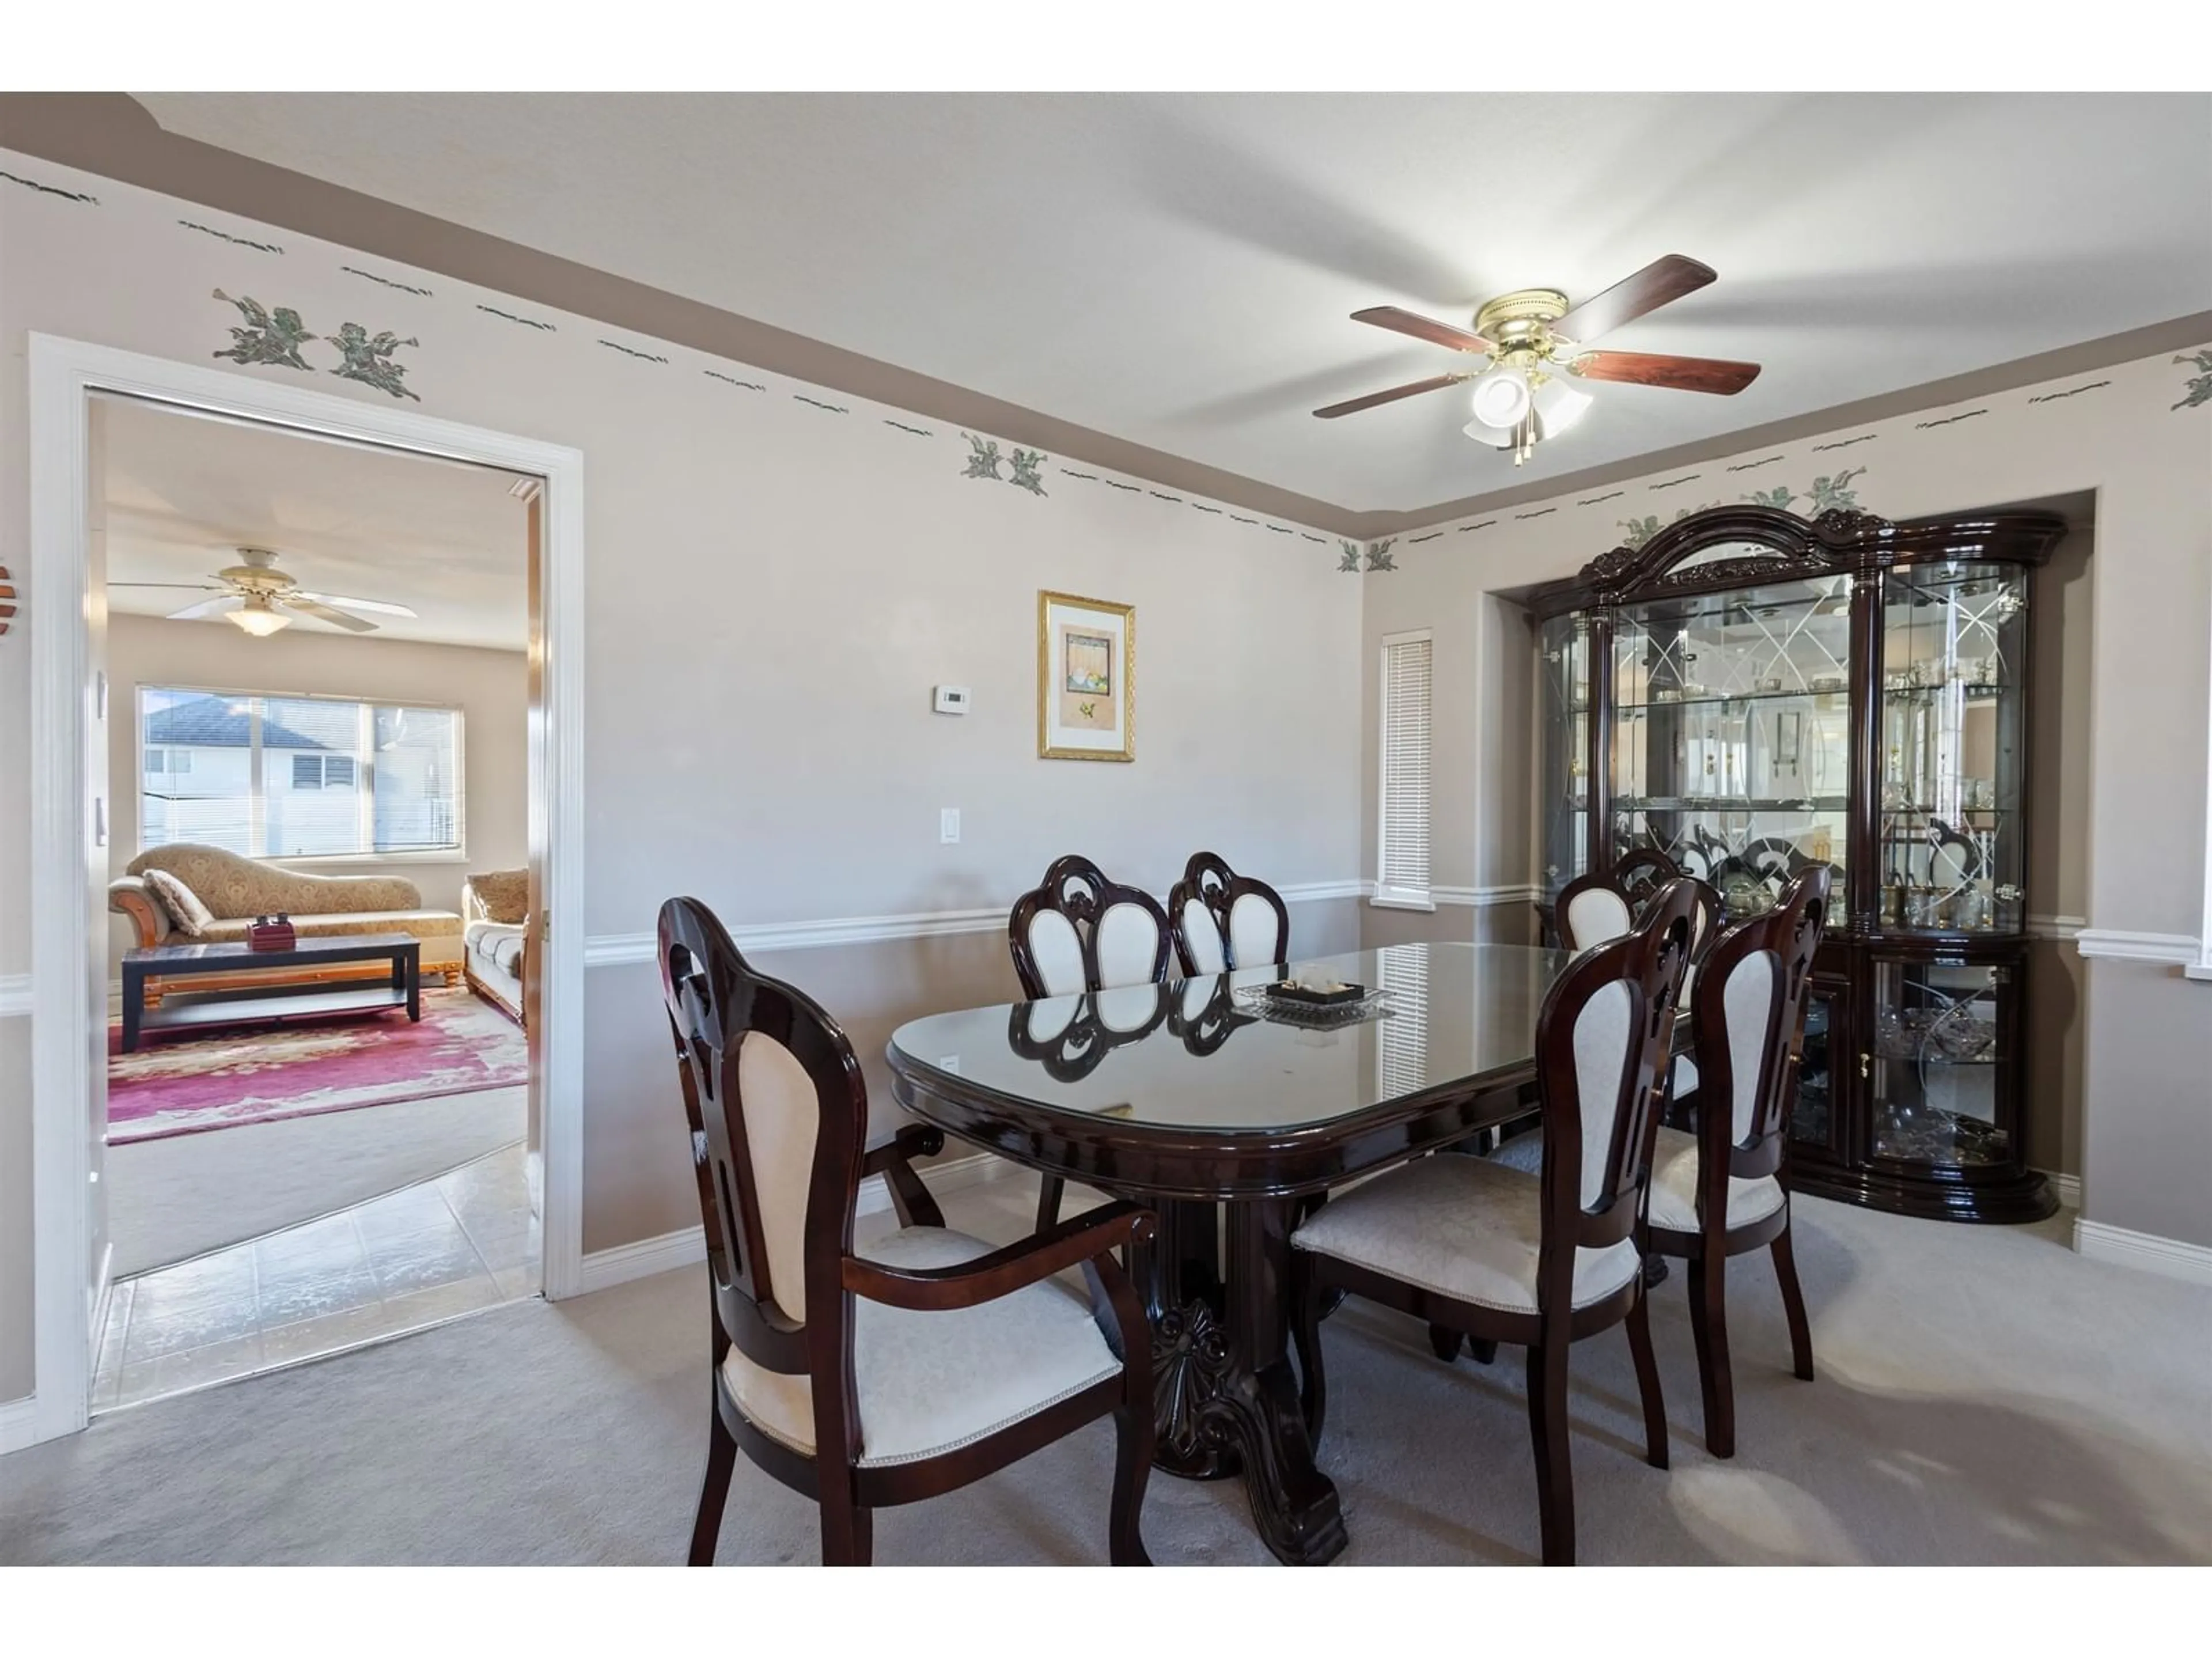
{"points": [[1629, 710], [1730, 804], [1975, 690]]}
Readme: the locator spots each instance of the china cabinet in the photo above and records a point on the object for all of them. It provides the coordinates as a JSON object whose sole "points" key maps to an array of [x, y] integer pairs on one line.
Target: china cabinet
{"points": [[1748, 692]]}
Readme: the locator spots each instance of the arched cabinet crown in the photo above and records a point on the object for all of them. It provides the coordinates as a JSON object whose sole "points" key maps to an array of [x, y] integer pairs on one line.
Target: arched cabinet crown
{"points": [[1748, 692]]}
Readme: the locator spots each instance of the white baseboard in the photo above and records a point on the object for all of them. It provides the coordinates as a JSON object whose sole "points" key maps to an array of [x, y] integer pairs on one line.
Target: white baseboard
{"points": [[2067, 1187], [2149, 1251], [19, 1422], [604, 1269]]}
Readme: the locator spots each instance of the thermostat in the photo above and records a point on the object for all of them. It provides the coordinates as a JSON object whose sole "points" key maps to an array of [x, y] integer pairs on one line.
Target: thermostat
{"points": [[951, 700]]}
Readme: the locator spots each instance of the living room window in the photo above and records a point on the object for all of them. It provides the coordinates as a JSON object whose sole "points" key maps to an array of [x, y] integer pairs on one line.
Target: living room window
{"points": [[298, 777]]}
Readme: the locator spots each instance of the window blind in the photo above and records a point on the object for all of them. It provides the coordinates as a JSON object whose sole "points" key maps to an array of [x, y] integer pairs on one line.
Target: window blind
{"points": [[1403, 815], [1401, 1056]]}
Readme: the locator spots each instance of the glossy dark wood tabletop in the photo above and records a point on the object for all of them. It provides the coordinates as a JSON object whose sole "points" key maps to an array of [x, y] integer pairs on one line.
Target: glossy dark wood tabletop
{"points": [[1181, 1090]]}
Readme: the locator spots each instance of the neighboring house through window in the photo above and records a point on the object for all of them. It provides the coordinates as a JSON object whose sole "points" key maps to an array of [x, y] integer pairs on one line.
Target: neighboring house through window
{"points": [[298, 777]]}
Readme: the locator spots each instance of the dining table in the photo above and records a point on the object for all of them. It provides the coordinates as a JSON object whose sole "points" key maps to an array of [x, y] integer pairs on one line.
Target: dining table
{"points": [[1231, 1114]]}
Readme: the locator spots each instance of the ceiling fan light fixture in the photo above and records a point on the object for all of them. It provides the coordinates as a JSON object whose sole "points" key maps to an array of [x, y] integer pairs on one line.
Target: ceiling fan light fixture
{"points": [[1501, 397], [258, 617], [1559, 406]]}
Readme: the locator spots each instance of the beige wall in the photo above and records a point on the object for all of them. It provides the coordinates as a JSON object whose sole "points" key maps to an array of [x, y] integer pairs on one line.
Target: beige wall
{"points": [[773, 587], [2059, 670], [2120, 838], [490, 689]]}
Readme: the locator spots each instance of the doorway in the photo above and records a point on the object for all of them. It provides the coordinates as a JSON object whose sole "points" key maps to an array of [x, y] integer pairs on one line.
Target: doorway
{"points": [[75, 702], [316, 661]]}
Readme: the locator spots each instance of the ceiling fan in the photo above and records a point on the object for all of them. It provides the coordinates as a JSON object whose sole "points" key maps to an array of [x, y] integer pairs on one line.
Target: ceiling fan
{"points": [[261, 598], [1534, 339]]}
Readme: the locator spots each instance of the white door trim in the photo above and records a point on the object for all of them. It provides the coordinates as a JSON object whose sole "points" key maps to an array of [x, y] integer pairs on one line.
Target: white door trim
{"points": [[68, 980]]}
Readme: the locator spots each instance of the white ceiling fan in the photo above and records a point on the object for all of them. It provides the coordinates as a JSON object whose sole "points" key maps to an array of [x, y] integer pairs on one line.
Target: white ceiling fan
{"points": [[261, 598]]}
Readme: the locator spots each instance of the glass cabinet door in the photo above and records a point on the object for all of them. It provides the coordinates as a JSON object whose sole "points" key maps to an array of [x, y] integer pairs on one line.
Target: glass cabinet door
{"points": [[1953, 660], [1938, 1089], [1730, 744], [1816, 1116], [1564, 650]]}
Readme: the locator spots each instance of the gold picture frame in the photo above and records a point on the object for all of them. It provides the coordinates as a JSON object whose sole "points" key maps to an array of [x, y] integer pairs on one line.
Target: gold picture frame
{"points": [[1086, 678]]}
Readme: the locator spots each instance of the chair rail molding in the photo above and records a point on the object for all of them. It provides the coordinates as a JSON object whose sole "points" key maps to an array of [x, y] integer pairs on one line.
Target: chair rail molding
{"points": [[619, 950], [15, 995], [2182, 949], [64, 985]]}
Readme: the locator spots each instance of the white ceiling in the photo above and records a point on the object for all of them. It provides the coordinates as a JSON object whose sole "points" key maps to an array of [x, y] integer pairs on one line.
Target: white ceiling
{"points": [[1176, 270], [185, 493]]}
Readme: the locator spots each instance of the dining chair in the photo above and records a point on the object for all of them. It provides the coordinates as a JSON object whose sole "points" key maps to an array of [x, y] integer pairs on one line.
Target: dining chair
{"points": [[932, 1359], [1496, 1254], [1222, 921], [1724, 1190], [1592, 908], [1075, 931]]}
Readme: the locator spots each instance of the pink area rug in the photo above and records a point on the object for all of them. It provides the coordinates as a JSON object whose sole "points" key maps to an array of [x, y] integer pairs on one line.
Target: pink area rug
{"points": [[257, 1074]]}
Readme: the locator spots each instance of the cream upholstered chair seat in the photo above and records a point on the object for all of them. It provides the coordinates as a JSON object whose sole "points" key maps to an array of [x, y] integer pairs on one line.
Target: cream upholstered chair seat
{"points": [[929, 1382], [1463, 1227], [1674, 1188]]}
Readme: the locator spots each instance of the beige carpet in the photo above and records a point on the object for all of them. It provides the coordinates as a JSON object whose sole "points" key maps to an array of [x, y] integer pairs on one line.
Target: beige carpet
{"points": [[1986, 1395], [184, 1195]]}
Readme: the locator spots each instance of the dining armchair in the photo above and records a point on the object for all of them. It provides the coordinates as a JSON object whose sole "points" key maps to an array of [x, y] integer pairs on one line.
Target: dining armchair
{"points": [[1222, 921], [1723, 1190], [1496, 1254], [870, 1379], [1075, 931]]}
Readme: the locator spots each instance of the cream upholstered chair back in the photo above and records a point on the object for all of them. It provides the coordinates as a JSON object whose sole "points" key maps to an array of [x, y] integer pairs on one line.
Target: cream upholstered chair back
{"points": [[1222, 920], [1602, 1048], [1077, 931], [1592, 911], [778, 1114], [1749, 1011], [232, 886]]}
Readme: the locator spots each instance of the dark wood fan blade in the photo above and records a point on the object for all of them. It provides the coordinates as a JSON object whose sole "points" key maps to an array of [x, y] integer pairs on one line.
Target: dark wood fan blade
{"points": [[1662, 282], [1711, 374], [1390, 397], [1422, 328]]}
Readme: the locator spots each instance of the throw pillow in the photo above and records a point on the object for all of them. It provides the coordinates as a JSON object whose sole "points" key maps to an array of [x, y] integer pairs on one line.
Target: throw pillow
{"points": [[192, 918]]}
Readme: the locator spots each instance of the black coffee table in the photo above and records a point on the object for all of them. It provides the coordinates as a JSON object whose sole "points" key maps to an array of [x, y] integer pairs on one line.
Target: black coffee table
{"points": [[233, 1005]]}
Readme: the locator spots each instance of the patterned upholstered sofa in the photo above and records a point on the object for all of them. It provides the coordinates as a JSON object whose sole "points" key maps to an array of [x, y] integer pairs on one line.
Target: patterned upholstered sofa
{"points": [[235, 891], [495, 912]]}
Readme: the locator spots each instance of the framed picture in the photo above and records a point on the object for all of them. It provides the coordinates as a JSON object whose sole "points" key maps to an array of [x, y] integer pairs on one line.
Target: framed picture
{"points": [[1086, 678]]}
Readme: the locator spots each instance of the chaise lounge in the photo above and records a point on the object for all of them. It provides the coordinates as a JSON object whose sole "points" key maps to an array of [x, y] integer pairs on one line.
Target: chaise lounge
{"points": [[235, 890]]}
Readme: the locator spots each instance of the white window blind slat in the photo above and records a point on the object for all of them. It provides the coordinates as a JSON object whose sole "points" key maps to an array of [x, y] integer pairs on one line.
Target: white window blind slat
{"points": [[1403, 814]]}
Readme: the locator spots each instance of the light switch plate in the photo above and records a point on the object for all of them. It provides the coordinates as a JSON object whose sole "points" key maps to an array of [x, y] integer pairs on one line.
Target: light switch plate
{"points": [[948, 824]]}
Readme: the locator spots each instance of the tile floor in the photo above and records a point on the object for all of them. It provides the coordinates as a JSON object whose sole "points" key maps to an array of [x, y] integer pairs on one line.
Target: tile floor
{"points": [[411, 1258]]}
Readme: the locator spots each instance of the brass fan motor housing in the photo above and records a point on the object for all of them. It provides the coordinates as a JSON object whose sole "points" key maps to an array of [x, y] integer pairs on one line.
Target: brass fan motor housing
{"points": [[1519, 325]]}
